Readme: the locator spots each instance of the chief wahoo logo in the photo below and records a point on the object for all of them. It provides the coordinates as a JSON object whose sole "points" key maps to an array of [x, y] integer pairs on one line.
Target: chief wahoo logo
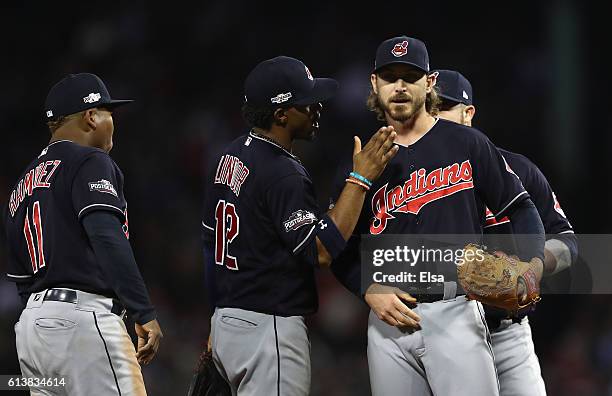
{"points": [[400, 49]]}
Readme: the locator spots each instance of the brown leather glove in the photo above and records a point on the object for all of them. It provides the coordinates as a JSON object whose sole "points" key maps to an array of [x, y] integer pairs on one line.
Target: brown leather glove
{"points": [[206, 380], [495, 280]]}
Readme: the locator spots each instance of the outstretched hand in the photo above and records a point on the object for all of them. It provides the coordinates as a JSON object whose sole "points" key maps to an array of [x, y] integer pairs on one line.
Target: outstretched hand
{"points": [[370, 161]]}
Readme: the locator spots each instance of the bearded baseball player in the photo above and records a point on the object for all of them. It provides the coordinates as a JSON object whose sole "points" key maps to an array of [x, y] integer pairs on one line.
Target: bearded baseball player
{"points": [[517, 365], [265, 235], [69, 254], [434, 342]]}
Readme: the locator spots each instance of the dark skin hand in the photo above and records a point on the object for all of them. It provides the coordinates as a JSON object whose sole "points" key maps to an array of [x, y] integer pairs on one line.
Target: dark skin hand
{"points": [[370, 163], [149, 337]]}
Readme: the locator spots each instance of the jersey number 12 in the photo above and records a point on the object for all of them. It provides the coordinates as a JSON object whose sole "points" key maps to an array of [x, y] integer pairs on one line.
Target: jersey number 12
{"points": [[37, 256], [227, 228]]}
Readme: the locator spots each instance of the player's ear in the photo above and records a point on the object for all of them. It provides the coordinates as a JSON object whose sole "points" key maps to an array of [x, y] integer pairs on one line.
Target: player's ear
{"points": [[431, 81], [373, 79], [89, 118], [468, 113], [280, 117]]}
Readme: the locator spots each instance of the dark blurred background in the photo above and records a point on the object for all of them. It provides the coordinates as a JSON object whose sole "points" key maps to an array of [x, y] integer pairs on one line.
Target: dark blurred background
{"points": [[539, 74]]}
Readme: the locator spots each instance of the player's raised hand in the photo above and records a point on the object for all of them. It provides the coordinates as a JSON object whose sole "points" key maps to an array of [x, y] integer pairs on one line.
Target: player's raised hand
{"points": [[149, 337], [386, 302], [370, 161]]}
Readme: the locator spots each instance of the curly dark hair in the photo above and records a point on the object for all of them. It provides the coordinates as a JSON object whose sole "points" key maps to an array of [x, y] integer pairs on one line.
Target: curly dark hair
{"points": [[258, 116]]}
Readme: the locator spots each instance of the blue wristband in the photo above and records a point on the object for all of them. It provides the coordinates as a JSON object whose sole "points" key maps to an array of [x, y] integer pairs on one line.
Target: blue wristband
{"points": [[360, 178]]}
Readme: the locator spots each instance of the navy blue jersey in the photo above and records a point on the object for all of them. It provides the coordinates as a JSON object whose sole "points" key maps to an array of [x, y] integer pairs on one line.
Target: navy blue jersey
{"points": [[542, 195], [260, 219], [437, 184], [48, 246]]}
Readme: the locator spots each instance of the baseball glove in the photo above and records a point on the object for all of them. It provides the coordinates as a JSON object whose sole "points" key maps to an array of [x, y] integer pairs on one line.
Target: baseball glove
{"points": [[206, 380], [496, 280]]}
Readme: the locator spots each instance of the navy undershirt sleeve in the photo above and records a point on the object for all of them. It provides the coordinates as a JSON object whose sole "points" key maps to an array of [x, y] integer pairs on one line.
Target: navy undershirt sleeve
{"points": [[115, 256], [526, 221], [346, 267], [24, 294], [209, 275]]}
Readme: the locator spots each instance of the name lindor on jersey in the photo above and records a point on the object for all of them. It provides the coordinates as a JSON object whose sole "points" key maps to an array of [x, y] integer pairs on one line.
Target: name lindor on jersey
{"points": [[32, 180], [231, 172], [420, 189]]}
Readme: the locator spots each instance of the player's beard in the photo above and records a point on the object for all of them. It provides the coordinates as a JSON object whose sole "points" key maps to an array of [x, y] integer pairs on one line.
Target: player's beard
{"points": [[402, 112]]}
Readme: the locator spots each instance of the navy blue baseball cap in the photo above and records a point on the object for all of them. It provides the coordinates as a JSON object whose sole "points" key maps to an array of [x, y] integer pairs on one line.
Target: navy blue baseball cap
{"points": [[285, 81], [78, 92], [402, 49], [453, 86]]}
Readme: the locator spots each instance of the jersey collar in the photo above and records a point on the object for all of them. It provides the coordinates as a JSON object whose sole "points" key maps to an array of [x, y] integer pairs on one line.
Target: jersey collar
{"points": [[59, 141], [269, 141], [436, 119]]}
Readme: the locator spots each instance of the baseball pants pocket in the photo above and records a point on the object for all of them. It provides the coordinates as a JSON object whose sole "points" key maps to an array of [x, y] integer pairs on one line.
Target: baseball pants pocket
{"points": [[54, 324], [238, 322]]}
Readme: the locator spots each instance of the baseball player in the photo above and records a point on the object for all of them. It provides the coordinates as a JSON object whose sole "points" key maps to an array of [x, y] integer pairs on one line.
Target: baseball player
{"points": [[264, 234], [517, 365], [69, 254], [441, 345]]}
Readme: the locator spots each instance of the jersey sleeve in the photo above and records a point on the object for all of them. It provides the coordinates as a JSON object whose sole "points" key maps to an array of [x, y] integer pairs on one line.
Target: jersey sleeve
{"points": [[293, 209], [210, 200], [552, 215], [98, 185], [495, 182]]}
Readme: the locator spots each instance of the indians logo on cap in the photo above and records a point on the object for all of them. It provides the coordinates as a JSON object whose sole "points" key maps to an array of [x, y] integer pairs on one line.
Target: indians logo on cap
{"points": [[308, 74], [400, 49]]}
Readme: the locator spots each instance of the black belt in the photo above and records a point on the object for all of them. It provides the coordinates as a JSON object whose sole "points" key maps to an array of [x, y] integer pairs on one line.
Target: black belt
{"points": [[428, 297], [70, 296], [494, 322], [494, 316], [428, 294]]}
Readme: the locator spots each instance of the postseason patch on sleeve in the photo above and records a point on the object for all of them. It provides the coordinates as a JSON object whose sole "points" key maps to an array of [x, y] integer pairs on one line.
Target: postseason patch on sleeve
{"points": [[103, 186], [298, 219]]}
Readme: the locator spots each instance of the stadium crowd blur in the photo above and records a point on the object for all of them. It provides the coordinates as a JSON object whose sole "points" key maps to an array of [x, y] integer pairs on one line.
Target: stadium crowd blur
{"points": [[533, 69]]}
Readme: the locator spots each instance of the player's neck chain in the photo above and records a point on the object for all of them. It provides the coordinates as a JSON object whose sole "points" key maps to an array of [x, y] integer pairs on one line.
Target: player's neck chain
{"points": [[273, 142]]}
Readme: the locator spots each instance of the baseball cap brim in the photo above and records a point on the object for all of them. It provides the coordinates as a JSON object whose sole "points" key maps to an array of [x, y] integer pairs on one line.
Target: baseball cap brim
{"points": [[116, 103], [450, 98], [399, 62], [323, 89]]}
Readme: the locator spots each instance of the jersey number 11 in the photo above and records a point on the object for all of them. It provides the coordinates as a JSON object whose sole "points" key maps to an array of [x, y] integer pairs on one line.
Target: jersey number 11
{"points": [[37, 259]]}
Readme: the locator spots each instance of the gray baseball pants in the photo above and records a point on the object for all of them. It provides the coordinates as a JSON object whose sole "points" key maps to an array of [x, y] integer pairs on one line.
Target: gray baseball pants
{"points": [[261, 354], [450, 355], [84, 343], [517, 365]]}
